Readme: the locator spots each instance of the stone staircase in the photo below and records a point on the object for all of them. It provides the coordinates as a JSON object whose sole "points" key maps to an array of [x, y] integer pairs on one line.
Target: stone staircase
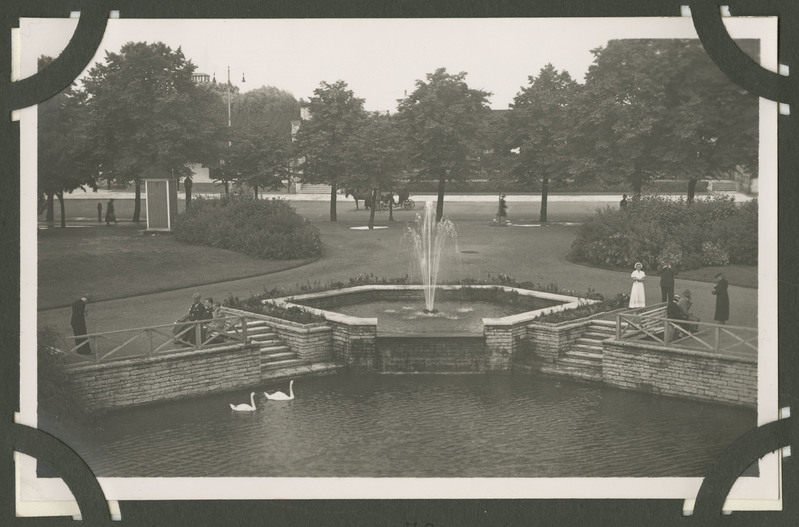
{"points": [[583, 359], [275, 354]]}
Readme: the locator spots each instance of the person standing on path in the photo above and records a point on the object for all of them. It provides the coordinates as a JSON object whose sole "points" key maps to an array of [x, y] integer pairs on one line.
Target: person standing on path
{"points": [[78, 323], [722, 300], [637, 294], [666, 283], [623, 202], [503, 210], [99, 212], [109, 213]]}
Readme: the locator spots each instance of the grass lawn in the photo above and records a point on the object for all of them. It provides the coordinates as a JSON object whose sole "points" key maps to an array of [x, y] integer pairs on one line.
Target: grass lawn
{"points": [[118, 262]]}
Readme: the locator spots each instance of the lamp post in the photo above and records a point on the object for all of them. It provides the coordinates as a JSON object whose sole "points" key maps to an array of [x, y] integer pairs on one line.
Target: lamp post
{"points": [[229, 121]]}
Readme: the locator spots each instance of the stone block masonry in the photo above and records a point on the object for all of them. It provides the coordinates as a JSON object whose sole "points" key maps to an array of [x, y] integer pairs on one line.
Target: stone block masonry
{"points": [[431, 354], [117, 384], [679, 372]]}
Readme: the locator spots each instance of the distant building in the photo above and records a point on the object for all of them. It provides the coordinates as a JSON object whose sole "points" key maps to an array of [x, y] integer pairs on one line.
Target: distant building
{"points": [[200, 78]]}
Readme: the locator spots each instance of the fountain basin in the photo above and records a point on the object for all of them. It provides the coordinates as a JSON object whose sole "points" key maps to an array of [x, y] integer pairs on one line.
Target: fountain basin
{"points": [[363, 343]]}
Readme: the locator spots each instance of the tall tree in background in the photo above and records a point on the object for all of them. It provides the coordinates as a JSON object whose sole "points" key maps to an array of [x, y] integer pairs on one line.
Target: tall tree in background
{"points": [[324, 142], [660, 108], [538, 128], [378, 157], [62, 149], [443, 119], [147, 118]]}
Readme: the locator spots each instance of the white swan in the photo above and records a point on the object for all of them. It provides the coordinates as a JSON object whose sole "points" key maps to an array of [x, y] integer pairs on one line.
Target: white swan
{"points": [[280, 396], [244, 407]]}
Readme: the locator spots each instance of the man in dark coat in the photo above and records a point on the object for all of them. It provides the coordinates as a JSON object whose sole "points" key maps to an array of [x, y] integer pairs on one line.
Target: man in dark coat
{"points": [[79, 325], [674, 312], [667, 283], [722, 300], [197, 311], [503, 210]]}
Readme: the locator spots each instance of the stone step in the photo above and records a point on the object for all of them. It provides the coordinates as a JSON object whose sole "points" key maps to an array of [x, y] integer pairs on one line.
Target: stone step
{"points": [[581, 373], [584, 354], [579, 363], [604, 323], [586, 341], [277, 357], [596, 350], [287, 363], [271, 350], [266, 338], [260, 330], [599, 335]]}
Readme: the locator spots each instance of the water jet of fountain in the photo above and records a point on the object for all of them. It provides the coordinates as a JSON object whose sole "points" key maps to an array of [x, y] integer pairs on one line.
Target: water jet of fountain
{"points": [[429, 239]]}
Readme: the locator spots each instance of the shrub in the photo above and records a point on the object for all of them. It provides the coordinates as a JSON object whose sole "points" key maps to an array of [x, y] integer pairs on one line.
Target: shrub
{"points": [[255, 304], [268, 229], [710, 231]]}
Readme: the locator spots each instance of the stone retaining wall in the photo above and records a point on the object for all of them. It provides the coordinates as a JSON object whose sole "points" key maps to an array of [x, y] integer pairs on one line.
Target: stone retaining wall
{"points": [[430, 354], [130, 382], [679, 372], [549, 341]]}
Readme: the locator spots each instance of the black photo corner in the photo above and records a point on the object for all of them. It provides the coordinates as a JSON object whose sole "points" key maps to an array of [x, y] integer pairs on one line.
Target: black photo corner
{"points": [[60, 459]]}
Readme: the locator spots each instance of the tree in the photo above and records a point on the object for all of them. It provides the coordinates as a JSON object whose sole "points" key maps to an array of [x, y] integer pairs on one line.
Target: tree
{"points": [[661, 108], [62, 149], [442, 119], [538, 127], [324, 142], [147, 118], [259, 156], [378, 156]]}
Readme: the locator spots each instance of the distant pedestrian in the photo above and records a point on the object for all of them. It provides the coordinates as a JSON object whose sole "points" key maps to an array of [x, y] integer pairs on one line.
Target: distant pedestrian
{"points": [[503, 210], [78, 323], [99, 212], [637, 294], [623, 203], [722, 314], [109, 213], [666, 283]]}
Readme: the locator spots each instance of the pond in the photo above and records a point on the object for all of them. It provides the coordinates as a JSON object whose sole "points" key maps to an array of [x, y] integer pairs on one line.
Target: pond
{"points": [[416, 426]]}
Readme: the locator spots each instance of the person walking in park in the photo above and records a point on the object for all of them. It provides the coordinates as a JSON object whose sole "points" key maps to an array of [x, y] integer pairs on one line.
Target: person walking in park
{"points": [[99, 212], [109, 213], [666, 283], [623, 202], [78, 323], [503, 210], [722, 300], [637, 294]]}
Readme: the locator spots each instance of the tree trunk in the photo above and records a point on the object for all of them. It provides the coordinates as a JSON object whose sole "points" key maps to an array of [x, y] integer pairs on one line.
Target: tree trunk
{"points": [[63, 213], [137, 203], [50, 212], [691, 189], [255, 190], [391, 207], [544, 193], [333, 202], [637, 184], [440, 204], [187, 187], [227, 188], [372, 211]]}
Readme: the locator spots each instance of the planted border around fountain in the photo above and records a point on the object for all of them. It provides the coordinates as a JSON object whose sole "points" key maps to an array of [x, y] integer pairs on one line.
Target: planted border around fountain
{"points": [[355, 338]]}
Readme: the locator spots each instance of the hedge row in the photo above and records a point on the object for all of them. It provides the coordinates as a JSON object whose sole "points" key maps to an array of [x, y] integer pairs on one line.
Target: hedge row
{"points": [[654, 230], [491, 187], [268, 229]]}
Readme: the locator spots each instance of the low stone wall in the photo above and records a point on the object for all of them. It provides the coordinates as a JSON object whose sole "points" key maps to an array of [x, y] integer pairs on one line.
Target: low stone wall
{"points": [[429, 354], [354, 343], [130, 382], [678, 372]]}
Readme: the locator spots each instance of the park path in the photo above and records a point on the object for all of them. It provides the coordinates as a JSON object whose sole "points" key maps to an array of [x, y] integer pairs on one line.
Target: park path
{"points": [[536, 254]]}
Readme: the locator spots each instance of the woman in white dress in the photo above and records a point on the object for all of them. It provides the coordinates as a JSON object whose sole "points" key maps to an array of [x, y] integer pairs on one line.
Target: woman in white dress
{"points": [[637, 295]]}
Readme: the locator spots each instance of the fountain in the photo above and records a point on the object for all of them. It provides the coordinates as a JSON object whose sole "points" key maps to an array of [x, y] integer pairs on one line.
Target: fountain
{"points": [[429, 239]]}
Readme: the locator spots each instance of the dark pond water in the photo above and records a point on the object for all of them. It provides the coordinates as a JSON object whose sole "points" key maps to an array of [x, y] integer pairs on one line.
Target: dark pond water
{"points": [[452, 317], [417, 426]]}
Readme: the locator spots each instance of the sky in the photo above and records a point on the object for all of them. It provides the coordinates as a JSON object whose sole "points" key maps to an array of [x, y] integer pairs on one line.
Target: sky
{"points": [[380, 59]]}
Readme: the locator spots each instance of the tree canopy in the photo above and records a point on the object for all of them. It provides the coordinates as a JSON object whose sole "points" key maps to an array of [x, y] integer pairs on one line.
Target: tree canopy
{"points": [[324, 142], [146, 116], [538, 130], [443, 119]]}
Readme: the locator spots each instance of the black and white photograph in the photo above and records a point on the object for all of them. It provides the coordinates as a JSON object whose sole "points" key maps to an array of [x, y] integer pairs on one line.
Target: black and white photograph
{"points": [[398, 258]]}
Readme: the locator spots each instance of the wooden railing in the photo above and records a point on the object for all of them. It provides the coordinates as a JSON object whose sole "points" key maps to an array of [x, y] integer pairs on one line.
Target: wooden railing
{"points": [[163, 339], [670, 332]]}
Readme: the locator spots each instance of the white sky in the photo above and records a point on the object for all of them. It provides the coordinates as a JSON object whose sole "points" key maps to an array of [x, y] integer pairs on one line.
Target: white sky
{"points": [[379, 59]]}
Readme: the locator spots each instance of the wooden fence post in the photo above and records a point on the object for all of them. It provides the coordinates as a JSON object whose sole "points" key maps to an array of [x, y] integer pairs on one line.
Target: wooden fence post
{"points": [[718, 339], [618, 327]]}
